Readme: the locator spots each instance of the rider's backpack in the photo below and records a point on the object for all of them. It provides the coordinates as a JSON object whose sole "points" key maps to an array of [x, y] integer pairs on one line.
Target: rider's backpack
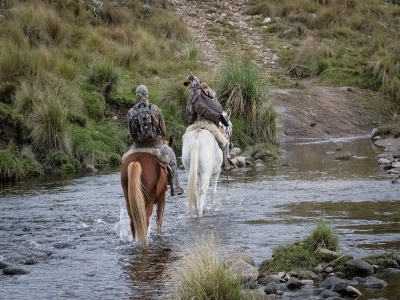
{"points": [[205, 105], [142, 126]]}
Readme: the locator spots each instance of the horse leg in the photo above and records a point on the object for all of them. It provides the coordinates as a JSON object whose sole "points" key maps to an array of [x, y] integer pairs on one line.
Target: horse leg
{"points": [[160, 214], [149, 211], [202, 193], [128, 208], [214, 180]]}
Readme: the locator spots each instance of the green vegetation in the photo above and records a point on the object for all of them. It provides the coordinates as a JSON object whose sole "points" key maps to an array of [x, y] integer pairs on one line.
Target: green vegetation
{"points": [[202, 275], [240, 86], [354, 43], [67, 72], [305, 254], [68, 68], [390, 129]]}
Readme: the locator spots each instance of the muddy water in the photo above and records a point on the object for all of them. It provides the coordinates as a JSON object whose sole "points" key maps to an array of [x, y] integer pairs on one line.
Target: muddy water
{"points": [[70, 231]]}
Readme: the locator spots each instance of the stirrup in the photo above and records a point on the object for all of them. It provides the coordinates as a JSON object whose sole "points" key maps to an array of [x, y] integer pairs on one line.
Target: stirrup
{"points": [[231, 162]]}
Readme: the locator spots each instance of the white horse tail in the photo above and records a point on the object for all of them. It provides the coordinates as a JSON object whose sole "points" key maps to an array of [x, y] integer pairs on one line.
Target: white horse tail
{"points": [[192, 180], [137, 202]]}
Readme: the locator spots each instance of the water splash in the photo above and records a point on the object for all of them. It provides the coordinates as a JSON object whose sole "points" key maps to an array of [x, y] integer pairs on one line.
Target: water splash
{"points": [[122, 228]]}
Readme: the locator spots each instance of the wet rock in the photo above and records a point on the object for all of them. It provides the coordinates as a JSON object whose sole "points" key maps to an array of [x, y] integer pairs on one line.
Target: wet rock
{"points": [[235, 151], [329, 269], [340, 275], [307, 282], [352, 292], [258, 294], [392, 271], [328, 294], [359, 280], [272, 288], [15, 271], [241, 161], [374, 283], [259, 167], [3, 265], [398, 259], [382, 155], [31, 261], [294, 284], [361, 267], [90, 169], [340, 289], [331, 281], [395, 265], [384, 161], [376, 268], [396, 164], [244, 270]]}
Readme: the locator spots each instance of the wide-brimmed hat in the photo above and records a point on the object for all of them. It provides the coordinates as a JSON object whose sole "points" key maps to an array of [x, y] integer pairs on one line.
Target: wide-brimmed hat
{"points": [[188, 80]]}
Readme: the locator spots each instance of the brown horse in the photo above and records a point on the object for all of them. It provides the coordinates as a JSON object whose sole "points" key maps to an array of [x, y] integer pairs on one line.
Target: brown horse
{"points": [[144, 182]]}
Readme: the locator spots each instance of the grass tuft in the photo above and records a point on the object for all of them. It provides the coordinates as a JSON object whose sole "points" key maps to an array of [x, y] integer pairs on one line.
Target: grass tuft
{"points": [[303, 254], [202, 275]]}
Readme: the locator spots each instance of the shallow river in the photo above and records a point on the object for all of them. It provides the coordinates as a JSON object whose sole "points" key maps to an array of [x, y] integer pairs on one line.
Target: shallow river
{"points": [[72, 229]]}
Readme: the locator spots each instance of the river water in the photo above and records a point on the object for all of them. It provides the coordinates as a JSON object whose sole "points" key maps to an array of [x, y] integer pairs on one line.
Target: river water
{"points": [[71, 233]]}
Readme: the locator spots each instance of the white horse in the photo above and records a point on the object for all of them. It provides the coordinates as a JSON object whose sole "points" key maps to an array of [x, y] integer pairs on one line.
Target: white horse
{"points": [[202, 158]]}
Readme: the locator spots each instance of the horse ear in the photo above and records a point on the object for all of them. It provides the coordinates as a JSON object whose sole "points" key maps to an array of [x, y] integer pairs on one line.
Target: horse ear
{"points": [[171, 141]]}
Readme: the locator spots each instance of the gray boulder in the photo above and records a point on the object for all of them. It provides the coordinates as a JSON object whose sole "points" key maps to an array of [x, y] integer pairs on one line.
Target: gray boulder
{"points": [[360, 267]]}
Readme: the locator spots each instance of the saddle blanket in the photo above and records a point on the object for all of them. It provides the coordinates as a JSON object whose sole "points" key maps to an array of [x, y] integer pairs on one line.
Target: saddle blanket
{"points": [[163, 158], [210, 126]]}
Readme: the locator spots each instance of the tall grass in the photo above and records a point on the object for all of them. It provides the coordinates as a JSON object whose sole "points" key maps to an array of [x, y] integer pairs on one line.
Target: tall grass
{"points": [[202, 275], [241, 88], [323, 236], [104, 77]]}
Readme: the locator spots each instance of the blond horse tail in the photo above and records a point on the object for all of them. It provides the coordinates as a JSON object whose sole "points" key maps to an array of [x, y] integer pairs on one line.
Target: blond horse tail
{"points": [[137, 202], [192, 180]]}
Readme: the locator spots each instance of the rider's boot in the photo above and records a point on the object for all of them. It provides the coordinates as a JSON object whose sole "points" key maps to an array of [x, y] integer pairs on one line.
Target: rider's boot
{"points": [[175, 188], [228, 163]]}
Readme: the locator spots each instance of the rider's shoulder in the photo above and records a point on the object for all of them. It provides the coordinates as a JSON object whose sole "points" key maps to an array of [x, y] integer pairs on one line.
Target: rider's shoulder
{"points": [[154, 108]]}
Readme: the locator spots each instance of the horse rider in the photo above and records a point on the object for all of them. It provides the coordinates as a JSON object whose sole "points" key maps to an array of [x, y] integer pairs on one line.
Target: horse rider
{"points": [[157, 120], [193, 117]]}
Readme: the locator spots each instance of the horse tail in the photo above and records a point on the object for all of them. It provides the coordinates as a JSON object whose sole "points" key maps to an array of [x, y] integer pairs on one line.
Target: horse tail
{"points": [[192, 180], [137, 202]]}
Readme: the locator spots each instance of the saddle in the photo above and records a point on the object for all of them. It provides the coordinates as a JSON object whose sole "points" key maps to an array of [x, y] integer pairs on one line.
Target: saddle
{"points": [[163, 158], [222, 141]]}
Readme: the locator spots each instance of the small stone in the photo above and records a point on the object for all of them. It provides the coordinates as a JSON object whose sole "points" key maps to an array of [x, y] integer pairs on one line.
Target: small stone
{"points": [[15, 271]]}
